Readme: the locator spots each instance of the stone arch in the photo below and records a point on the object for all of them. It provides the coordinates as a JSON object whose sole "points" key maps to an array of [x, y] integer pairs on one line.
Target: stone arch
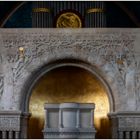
{"points": [[35, 76]]}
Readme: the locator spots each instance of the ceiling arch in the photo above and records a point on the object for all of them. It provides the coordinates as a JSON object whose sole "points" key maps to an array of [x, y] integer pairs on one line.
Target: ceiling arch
{"points": [[123, 6]]}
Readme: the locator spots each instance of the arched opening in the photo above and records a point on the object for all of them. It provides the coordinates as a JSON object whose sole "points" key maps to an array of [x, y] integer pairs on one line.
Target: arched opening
{"points": [[40, 73], [69, 83]]}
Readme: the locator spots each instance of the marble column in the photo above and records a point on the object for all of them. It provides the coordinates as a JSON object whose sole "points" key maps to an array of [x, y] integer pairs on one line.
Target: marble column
{"points": [[10, 135], [17, 134], [127, 135], [139, 135], [114, 126], [24, 125], [134, 135], [4, 135], [121, 134]]}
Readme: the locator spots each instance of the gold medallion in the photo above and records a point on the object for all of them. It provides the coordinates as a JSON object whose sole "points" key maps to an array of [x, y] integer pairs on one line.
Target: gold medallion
{"points": [[69, 20]]}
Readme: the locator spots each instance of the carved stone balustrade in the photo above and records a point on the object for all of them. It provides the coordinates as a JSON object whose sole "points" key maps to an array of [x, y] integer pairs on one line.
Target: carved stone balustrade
{"points": [[13, 124], [125, 125]]}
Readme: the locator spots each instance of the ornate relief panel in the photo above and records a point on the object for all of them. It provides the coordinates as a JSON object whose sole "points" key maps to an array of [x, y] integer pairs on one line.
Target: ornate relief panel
{"points": [[111, 51], [10, 121]]}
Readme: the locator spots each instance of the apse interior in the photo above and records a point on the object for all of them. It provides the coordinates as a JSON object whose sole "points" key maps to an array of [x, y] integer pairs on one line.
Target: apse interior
{"points": [[68, 84]]}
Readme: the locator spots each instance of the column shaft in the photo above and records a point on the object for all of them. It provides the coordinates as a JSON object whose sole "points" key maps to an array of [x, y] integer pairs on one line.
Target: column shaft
{"points": [[121, 134], [127, 135], [10, 135], [4, 134], [139, 135], [17, 134], [134, 135]]}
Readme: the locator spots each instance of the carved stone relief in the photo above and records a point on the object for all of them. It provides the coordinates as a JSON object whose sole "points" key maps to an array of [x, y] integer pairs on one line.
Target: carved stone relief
{"points": [[9, 123], [112, 52]]}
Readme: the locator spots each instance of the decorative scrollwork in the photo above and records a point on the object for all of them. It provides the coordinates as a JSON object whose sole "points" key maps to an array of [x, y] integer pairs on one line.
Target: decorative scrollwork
{"points": [[95, 10], [41, 10]]}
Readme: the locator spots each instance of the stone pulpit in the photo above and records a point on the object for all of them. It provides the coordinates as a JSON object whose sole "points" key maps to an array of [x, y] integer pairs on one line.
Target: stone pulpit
{"points": [[69, 120]]}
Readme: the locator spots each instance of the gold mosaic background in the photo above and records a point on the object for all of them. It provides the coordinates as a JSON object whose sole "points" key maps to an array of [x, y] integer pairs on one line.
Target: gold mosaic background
{"points": [[68, 84]]}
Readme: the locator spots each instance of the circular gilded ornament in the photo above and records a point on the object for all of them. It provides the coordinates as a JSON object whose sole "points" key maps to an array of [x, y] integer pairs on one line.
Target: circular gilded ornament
{"points": [[69, 20]]}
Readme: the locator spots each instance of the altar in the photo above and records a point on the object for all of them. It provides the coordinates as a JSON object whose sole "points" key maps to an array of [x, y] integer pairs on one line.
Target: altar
{"points": [[69, 120]]}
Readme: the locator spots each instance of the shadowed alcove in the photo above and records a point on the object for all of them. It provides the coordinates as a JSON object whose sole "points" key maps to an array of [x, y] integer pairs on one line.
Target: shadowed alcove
{"points": [[68, 84]]}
